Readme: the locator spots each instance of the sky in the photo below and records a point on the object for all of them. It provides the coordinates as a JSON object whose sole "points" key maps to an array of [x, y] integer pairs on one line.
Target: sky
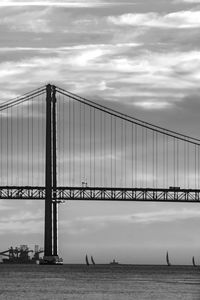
{"points": [[141, 57]]}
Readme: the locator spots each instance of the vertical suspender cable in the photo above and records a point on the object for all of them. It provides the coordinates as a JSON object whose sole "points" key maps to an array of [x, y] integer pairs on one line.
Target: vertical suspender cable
{"points": [[66, 135], [195, 167], [188, 165], [84, 143], [105, 169], [11, 144], [70, 142], [142, 184], [2, 142], [132, 154], [37, 142], [153, 160], [125, 150], [146, 170], [28, 146], [122, 151], [32, 140], [80, 141], [164, 180], [101, 149], [177, 157], [74, 148], [111, 152], [174, 159], [58, 139], [156, 159], [157, 154], [184, 163], [94, 143], [7, 149], [198, 167], [90, 146], [63, 144], [115, 143], [167, 163], [136, 163], [22, 144]]}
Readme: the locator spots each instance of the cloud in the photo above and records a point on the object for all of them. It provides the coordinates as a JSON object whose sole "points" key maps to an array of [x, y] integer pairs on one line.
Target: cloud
{"points": [[92, 223], [153, 105], [166, 216], [186, 1], [146, 79], [4, 206], [24, 216], [76, 4], [56, 50], [25, 222], [180, 19], [28, 21]]}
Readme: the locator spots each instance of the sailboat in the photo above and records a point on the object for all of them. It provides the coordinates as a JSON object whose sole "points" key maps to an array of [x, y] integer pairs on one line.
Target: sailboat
{"points": [[193, 262], [92, 260], [167, 259], [86, 259]]}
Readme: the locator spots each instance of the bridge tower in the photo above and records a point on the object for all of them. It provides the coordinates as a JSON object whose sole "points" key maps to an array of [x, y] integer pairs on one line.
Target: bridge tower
{"points": [[50, 232]]}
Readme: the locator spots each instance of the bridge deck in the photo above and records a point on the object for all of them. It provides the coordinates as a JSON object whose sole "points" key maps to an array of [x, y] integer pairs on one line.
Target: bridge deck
{"points": [[101, 194]]}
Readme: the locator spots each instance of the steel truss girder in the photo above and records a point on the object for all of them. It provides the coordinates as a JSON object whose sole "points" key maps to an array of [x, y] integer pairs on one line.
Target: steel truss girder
{"points": [[101, 194]]}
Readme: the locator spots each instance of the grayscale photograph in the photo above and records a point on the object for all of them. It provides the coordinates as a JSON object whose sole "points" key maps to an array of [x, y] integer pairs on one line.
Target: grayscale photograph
{"points": [[100, 149]]}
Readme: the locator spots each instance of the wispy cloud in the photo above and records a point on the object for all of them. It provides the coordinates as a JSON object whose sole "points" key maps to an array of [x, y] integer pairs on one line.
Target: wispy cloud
{"points": [[114, 47], [25, 222], [23, 216], [180, 19], [144, 78], [76, 4], [28, 21], [92, 223], [4, 206], [153, 105], [187, 1]]}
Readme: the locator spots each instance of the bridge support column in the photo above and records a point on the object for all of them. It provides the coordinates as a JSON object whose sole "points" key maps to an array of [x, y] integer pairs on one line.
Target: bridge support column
{"points": [[50, 255], [55, 205], [48, 177]]}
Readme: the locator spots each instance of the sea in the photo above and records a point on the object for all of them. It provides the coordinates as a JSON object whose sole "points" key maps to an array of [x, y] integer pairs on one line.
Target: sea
{"points": [[99, 282]]}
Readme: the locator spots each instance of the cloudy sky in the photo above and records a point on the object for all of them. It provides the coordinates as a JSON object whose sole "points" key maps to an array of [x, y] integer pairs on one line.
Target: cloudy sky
{"points": [[142, 57]]}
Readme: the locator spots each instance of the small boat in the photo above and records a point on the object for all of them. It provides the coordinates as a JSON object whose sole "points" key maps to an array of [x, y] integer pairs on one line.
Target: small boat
{"points": [[193, 262], [87, 261], [114, 262], [167, 259], [92, 260]]}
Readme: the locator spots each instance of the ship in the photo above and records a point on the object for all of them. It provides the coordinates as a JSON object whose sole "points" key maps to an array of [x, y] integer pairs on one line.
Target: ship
{"points": [[114, 263], [21, 255]]}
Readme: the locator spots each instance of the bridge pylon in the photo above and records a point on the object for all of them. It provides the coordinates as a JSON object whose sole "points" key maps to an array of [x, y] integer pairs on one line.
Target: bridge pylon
{"points": [[50, 231]]}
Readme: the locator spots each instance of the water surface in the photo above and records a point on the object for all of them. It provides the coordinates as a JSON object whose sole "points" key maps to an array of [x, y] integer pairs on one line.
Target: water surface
{"points": [[74, 282]]}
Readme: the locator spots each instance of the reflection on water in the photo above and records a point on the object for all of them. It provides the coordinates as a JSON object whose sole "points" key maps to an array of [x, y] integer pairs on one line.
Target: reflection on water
{"points": [[99, 282]]}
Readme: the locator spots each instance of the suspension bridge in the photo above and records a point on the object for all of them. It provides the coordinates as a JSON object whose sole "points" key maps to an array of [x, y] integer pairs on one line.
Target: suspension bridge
{"points": [[58, 146]]}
